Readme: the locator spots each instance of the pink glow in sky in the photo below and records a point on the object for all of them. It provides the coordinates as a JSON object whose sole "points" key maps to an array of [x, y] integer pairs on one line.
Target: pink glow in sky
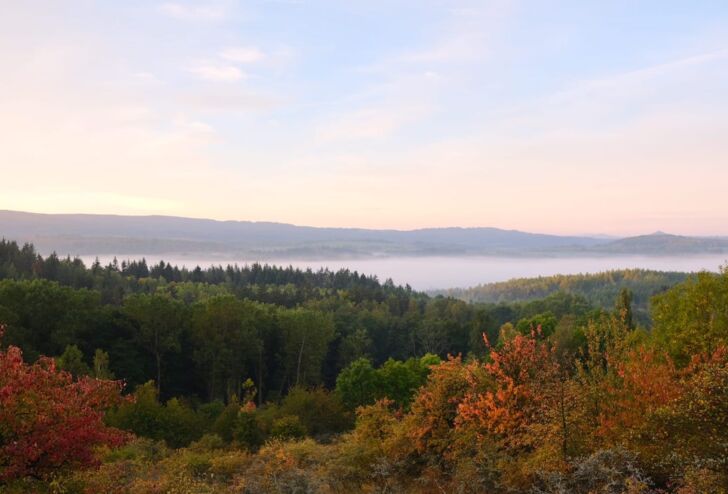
{"points": [[602, 119]]}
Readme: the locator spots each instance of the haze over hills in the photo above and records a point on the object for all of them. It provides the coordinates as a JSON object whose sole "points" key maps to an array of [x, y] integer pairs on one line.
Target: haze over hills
{"points": [[87, 234], [660, 243]]}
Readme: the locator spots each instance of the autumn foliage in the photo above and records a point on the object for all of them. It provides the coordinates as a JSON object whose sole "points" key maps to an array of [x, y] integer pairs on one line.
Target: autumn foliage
{"points": [[522, 372], [48, 421], [622, 417], [613, 411]]}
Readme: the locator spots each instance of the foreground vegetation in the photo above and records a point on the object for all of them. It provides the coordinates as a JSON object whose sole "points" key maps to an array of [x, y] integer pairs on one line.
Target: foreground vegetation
{"points": [[351, 385]]}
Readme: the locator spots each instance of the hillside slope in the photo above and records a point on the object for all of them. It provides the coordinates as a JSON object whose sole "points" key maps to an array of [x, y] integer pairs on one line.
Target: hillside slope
{"points": [[77, 234], [600, 289], [87, 234]]}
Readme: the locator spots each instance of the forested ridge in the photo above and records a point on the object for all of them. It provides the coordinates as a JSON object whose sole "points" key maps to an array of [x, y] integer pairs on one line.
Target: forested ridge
{"points": [[279, 326], [600, 289], [136, 378]]}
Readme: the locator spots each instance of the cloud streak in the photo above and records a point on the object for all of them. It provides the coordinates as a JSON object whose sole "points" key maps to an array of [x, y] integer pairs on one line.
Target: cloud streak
{"points": [[242, 54], [465, 114], [218, 73], [368, 124], [189, 12]]}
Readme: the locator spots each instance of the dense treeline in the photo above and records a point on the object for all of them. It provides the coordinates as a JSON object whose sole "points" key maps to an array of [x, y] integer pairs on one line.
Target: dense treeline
{"points": [[272, 284], [600, 289], [201, 333], [387, 390]]}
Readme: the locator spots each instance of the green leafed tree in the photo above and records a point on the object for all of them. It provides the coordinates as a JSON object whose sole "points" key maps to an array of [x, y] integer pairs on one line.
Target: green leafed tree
{"points": [[71, 360], [101, 365], [306, 337], [228, 343], [692, 317], [161, 321], [623, 307], [358, 384]]}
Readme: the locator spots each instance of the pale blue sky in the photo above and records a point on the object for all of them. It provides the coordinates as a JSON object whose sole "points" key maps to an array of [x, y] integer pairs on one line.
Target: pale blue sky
{"points": [[564, 117]]}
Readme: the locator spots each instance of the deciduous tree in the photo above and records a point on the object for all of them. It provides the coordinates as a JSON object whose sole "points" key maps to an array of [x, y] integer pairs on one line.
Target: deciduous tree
{"points": [[48, 421]]}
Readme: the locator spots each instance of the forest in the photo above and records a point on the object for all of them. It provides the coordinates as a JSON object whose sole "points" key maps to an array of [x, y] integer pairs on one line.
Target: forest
{"points": [[136, 378], [600, 289]]}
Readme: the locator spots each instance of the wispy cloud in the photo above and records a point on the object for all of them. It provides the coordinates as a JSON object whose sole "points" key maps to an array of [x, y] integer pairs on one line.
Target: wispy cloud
{"points": [[459, 47], [187, 12], [603, 104], [368, 123], [455, 109], [242, 54], [465, 37], [228, 98], [193, 126], [634, 78], [131, 114], [145, 78], [218, 73]]}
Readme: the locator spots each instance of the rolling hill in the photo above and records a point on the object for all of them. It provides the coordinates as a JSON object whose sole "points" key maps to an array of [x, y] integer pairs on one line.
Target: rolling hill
{"points": [[88, 234]]}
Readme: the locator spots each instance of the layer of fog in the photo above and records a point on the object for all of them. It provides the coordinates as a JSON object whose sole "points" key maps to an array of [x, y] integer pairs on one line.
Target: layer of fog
{"points": [[426, 273]]}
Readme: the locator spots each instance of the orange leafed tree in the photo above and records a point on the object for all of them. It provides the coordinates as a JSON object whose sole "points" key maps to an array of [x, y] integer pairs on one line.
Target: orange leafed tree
{"points": [[646, 380], [523, 373], [689, 432], [524, 413], [430, 423]]}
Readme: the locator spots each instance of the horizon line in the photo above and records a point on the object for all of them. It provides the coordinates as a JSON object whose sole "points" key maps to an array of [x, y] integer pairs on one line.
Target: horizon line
{"points": [[403, 230]]}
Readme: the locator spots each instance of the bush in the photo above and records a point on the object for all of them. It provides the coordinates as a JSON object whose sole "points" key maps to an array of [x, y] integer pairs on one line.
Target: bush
{"points": [[360, 384], [141, 450], [210, 412], [225, 465], [288, 427], [196, 463], [319, 411], [287, 467], [248, 432], [612, 471], [208, 442], [181, 424], [121, 469], [703, 480], [225, 422], [49, 421], [175, 423]]}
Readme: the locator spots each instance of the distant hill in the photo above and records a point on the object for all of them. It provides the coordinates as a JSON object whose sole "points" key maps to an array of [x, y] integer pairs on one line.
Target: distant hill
{"points": [[87, 234], [663, 243], [600, 289], [82, 234]]}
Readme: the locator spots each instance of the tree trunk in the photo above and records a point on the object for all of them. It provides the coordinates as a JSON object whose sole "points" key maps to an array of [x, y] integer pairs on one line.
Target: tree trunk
{"points": [[212, 381], [564, 424], [159, 372], [300, 356], [260, 375]]}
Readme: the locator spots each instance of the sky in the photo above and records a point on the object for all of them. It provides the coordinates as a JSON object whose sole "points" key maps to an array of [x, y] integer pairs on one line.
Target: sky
{"points": [[565, 117]]}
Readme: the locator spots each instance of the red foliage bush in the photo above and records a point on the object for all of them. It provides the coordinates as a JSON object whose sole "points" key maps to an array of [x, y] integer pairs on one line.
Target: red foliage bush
{"points": [[48, 421]]}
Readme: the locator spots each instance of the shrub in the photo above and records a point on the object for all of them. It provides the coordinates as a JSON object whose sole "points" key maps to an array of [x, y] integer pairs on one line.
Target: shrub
{"points": [[613, 471], [175, 423], [319, 411], [288, 427], [48, 421], [208, 442], [225, 422], [287, 467], [248, 432], [225, 465]]}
